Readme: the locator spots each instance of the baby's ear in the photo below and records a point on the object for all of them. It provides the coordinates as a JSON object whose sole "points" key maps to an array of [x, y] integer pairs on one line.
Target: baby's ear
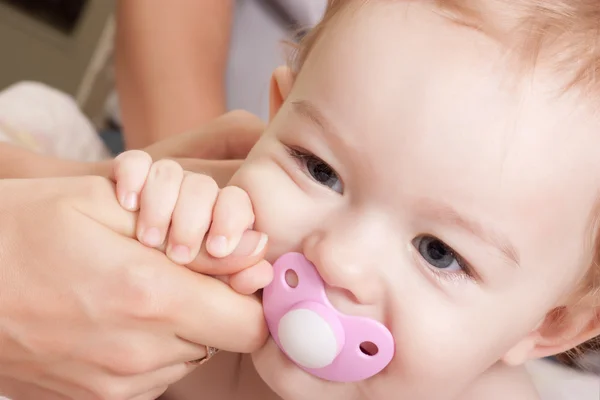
{"points": [[282, 81], [563, 329]]}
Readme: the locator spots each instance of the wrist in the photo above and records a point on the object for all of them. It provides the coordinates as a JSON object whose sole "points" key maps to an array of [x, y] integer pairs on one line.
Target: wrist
{"points": [[65, 168], [100, 168], [16, 162]]}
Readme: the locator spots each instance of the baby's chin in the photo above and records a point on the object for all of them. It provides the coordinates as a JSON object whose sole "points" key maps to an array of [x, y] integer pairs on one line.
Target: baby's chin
{"points": [[292, 383]]}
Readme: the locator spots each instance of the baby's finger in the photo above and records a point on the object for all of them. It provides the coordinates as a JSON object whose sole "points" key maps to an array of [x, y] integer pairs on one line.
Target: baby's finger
{"points": [[129, 173], [191, 217], [232, 216], [252, 279], [158, 201]]}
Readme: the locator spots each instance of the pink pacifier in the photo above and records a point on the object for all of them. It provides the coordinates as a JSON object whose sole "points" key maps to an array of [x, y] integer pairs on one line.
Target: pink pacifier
{"points": [[314, 335]]}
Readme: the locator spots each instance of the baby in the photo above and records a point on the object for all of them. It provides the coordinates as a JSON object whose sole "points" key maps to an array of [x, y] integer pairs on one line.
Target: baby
{"points": [[419, 155]]}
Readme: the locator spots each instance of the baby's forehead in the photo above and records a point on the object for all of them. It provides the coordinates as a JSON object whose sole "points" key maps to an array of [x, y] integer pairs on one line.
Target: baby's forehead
{"points": [[556, 34], [403, 59], [437, 106]]}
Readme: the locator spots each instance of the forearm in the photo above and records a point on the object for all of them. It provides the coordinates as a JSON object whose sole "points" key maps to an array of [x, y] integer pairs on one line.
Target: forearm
{"points": [[170, 64], [16, 162]]}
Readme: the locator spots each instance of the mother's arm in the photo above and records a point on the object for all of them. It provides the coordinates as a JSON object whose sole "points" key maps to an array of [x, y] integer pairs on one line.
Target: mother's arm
{"points": [[16, 162], [170, 65], [215, 149]]}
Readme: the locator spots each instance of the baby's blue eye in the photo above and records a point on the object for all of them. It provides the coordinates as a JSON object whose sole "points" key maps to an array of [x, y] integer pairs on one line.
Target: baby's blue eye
{"points": [[437, 253], [323, 174], [317, 169]]}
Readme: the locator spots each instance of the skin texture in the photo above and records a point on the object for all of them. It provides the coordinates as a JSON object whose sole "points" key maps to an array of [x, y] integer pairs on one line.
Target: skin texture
{"points": [[430, 131]]}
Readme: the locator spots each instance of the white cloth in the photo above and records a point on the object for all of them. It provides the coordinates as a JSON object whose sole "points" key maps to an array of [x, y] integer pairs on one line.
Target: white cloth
{"points": [[45, 120]]}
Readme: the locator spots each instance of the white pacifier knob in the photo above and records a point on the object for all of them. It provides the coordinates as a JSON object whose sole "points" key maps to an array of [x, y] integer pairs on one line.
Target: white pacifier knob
{"points": [[309, 337]]}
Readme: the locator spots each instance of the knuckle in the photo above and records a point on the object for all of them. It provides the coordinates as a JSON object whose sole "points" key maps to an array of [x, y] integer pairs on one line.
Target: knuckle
{"points": [[133, 359], [158, 392], [244, 121], [255, 340], [135, 156], [109, 391], [235, 198], [166, 170], [187, 233], [237, 193], [137, 292], [94, 187], [201, 184], [241, 115], [124, 358]]}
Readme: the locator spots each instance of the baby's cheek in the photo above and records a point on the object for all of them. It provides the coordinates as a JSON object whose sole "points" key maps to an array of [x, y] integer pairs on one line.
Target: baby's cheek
{"points": [[277, 206]]}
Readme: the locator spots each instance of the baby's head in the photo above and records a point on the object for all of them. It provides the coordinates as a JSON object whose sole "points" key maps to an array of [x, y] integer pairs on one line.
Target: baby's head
{"points": [[440, 165]]}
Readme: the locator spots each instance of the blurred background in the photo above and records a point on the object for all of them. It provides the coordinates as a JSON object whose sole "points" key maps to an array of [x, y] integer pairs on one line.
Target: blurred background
{"points": [[66, 44], [69, 45]]}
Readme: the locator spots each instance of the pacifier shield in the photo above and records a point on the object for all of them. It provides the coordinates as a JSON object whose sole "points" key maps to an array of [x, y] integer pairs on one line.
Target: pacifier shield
{"points": [[314, 335]]}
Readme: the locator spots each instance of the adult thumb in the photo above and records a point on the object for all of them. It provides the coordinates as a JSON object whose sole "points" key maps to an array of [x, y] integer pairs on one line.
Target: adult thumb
{"points": [[250, 250]]}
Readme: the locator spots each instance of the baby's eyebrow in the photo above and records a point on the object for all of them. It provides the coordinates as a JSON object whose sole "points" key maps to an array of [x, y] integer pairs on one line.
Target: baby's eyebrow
{"points": [[311, 113], [446, 214]]}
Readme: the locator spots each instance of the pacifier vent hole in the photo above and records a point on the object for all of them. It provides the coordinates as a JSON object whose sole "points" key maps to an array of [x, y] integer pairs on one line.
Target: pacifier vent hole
{"points": [[369, 348], [291, 278]]}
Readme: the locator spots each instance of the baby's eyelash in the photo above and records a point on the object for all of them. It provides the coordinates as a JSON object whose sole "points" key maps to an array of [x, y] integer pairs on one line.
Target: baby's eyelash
{"points": [[299, 154], [466, 274], [452, 277], [302, 156]]}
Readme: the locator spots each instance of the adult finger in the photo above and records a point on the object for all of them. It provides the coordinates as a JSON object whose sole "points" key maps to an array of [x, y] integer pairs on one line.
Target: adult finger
{"points": [[241, 132], [152, 395], [137, 352], [250, 250], [156, 382], [220, 170], [205, 310], [252, 279], [230, 136]]}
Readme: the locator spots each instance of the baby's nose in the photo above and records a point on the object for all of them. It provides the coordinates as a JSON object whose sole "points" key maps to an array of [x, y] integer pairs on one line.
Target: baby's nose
{"points": [[348, 264]]}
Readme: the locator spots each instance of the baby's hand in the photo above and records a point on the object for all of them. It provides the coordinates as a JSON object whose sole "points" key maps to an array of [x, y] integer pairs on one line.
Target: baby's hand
{"points": [[182, 210]]}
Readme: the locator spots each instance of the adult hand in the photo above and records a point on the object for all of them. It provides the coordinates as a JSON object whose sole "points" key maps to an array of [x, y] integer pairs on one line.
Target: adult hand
{"points": [[87, 312], [216, 149]]}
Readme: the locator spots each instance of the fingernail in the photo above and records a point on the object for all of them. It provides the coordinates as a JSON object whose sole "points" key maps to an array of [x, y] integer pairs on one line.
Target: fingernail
{"points": [[262, 242], [252, 243], [151, 237], [179, 254], [217, 246], [130, 201]]}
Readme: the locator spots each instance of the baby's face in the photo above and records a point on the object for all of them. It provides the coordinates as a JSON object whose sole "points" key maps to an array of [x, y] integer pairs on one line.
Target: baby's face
{"points": [[432, 191]]}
